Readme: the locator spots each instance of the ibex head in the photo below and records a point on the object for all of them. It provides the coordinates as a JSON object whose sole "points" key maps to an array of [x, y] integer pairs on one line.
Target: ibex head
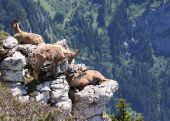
{"points": [[72, 55], [15, 23]]}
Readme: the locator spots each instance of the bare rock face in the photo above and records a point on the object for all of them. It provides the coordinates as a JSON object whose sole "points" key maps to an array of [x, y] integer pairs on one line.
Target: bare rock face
{"points": [[12, 76], [90, 102], [8, 47], [10, 42], [12, 68], [59, 94], [19, 90], [16, 62]]}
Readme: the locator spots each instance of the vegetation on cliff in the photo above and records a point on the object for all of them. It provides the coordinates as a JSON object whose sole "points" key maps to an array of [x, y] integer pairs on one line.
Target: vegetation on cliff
{"points": [[11, 109]]}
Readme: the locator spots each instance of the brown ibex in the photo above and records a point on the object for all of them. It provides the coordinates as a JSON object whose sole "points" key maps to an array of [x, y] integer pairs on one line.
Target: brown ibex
{"points": [[25, 37], [81, 79], [52, 54]]}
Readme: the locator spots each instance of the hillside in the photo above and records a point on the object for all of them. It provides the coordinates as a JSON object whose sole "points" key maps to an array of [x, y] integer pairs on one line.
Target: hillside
{"points": [[126, 40]]}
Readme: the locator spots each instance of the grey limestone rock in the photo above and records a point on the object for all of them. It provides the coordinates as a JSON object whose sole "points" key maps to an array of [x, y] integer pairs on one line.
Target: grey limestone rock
{"points": [[44, 87], [59, 94], [23, 98], [43, 97], [12, 76], [19, 90], [91, 101], [16, 62], [10, 42], [60, 89]]}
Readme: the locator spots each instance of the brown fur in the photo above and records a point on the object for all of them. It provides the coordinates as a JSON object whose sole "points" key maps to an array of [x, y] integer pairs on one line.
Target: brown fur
{"points": [[49, 53], [82, 79], [25, 37]]}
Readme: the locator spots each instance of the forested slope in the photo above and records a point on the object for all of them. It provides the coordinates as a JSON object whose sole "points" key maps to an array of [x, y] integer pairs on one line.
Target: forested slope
{"points": [[120, 38]]}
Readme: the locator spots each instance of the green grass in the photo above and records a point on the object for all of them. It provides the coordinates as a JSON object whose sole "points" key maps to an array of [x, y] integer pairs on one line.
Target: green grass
{"points": [[3, 35], [13, 110]]}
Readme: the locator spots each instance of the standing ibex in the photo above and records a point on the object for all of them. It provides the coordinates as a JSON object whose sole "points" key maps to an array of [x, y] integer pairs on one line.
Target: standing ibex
{"points": [[25, 37], [51, 54]]}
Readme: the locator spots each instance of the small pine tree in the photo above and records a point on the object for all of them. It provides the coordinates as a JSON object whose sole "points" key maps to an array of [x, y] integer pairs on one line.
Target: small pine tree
{"points": [[123, 114], [140, 117]]}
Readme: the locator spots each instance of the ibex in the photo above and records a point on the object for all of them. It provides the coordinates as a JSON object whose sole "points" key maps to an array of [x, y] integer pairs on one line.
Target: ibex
{"points": [[81, 79], [51, 54], [25, 37]]}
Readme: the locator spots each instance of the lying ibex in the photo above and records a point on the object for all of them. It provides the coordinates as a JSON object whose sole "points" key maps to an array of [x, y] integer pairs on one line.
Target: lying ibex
{"points": [[51, 54], [25, 37], [81, 79]]}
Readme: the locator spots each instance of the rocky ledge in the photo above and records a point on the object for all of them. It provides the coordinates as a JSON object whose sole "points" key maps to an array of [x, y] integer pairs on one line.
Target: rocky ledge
{"points": [[88, 103]]}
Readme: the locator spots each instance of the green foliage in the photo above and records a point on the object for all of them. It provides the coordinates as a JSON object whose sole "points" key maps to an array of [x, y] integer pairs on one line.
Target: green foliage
{"points": [[12, 109], [3, 35], [123, 113], [135, 11]]}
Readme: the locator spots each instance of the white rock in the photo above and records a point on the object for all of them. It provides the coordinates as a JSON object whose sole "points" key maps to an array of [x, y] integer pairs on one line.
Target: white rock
{"points": [[12, 51], [13, 76], [66, 106], [16, 62], [19, 90], [97, 118], [59, 86], [13, 84], [10, 42], [43, 87], [23, 98], [59, 79], [57, 94], [43, 97], [91, 101]]}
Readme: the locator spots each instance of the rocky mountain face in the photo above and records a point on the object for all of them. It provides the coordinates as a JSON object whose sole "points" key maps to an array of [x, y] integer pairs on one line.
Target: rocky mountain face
{"points": [[88, 103]]}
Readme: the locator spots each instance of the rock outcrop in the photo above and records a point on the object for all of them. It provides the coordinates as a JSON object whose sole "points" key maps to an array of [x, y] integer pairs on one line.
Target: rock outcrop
{"points": [[85, 104], [90, 102]]}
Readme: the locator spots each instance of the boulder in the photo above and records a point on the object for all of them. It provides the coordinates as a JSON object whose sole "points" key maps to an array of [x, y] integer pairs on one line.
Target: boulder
{"points": [[26, 49], [13, 84], [19, 90], [23, 98], [66, 106], [16, 62], [12, 76], [10, 42], [43, 97], [91, 101], [60, 89], [43, 87]]}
